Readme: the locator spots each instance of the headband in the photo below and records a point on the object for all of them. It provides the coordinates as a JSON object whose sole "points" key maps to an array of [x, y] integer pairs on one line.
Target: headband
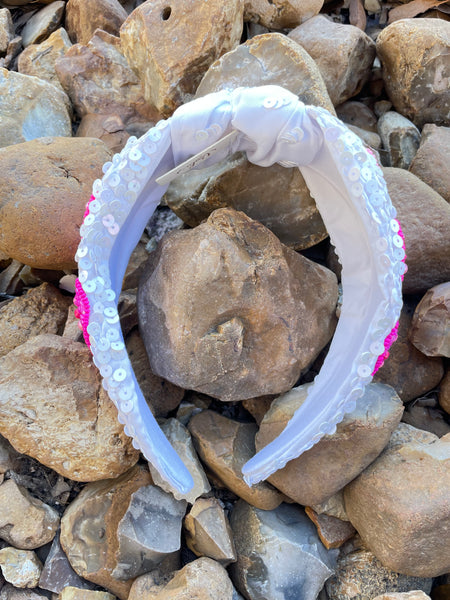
{"points": [[272, 126]]}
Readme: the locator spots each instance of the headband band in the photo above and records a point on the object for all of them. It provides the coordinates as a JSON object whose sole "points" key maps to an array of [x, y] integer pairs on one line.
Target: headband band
{"points": [[272, 126]]}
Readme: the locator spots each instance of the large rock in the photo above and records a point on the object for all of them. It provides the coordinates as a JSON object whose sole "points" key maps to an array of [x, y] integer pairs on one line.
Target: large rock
{"points": [[338, 458], [430, 327], [51, 395], [430, 163], [44, 22], [278, 14], [31, 108], [155, 37], [425, 220], [414, 54], [83, 17], [250, 314], [343, 53], [45, 186]]}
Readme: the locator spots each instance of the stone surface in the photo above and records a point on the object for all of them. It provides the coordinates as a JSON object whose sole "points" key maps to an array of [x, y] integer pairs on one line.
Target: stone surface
{"points": [[334, 506], [74, 593], [414, 595], [45, 184], [98, 79], [407, 370], [25, 522], [43, 23], [299, 566], [421, 415], [6, 30], [343, 53], [40, 310], [83, 17], [430, 162], [430, 327], [181, 441], [108, 128], [416, 69], [39, 59], [51, 395], [425, 220], [336, 459], [89, 528], [358, 114], [31, 108], [400, 138], [22, 568], [250, 315], [370, 138], [225, 446], [280, 14], [400, 506], [208, 531], [9, 592], [275, 196], [155, 37], [332, 532], [444, 393]]}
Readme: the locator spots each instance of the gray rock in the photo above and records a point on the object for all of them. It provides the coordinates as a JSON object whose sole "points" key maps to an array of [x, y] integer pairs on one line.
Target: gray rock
{"points": [[400, 138], [43, 23], [9, 592], [431, 161]]}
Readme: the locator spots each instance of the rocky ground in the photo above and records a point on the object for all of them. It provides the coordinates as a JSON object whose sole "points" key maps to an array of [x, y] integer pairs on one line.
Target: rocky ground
{"points": [[364, 514]]}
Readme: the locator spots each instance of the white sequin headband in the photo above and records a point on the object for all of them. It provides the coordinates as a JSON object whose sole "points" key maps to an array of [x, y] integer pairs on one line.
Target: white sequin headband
{"points": [[272, 126]]}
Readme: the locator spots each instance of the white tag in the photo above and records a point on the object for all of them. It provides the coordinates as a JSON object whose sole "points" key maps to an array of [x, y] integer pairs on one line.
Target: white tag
{"points": [[197, 159]]}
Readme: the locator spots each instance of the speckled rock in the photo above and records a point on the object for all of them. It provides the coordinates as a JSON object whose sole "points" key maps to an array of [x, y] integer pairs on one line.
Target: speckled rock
{"points": [[74, 593], [430, 327], [281, 302], [31, 108], [22, 568], [108, 128], [83, 17], [224, 446], [416, 69], [343, 53], [25, 521], [51, 391], [280, 14], [6, 30], [400, 138], [340, 457], [40, 25], [155, 37], [444, 393], [414, 595], [45, 184], [430, 162]]}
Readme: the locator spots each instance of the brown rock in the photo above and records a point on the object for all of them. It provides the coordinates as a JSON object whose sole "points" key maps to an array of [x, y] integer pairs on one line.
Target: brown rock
{"points": [[155, 37], [108, 128], [10, 592], [370, 138], [74, 593], [280, 14], [83, 17], [425, 220], [22, 568], [224, 446], [258, 407], [98, 79], [343, 53], [332, 532], [45, 184], [89, 528], [25, 522], [441, 592], [232, 280], [333, 507], [430, 163], [444, 393], [407, 370], [72, 330], [415, 66], [428, 418], [127, 311], [414, 595], [43, 23], [51, 395], [430, 327], [6, 30], [339, 457], [400, 506], [357, 114]]}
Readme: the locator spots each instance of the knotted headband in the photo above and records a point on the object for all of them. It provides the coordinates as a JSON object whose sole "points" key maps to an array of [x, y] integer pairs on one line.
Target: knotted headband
{"points": [[272, 126]]}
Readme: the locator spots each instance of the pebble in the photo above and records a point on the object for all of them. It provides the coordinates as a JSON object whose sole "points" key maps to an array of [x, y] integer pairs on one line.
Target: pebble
{"points": [[430, 327], [400, 138], [75, 593], [430, 163], [280, 14], [332, 531], [84, 17], [43, 23], [22, 568]]}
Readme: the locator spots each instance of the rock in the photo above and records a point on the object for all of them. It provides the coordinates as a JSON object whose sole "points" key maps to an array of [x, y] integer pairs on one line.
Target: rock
{"points": [[108, 128], [298, 568], [400, 138], [50, 391], [148, 532], [22, 568], [430, 327], [332, 532], [414, 595], [25, 521], [407, 370], [208, 531], [202, 579], [71, 327], [74, 593], [9, 592], [343, 53], [31, 108], [357, 114], [333, 507], [280, 14], [370, 138], [400, 506], [89, 528], [39, 59], [45, 185], [127, 311], [155, 37], [162, 221], [275, 196], [360, 576], [414, 57], [441, 592], [181, 441], [231, 277], [269, 59], [10, 282], [225, 446], [40, 310], [43, 23], [6, 30], [430, 162], [422, 416], [340, 457], [9, 458], [425, 220], [83, 17], [98, 79], [444, 393]]}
